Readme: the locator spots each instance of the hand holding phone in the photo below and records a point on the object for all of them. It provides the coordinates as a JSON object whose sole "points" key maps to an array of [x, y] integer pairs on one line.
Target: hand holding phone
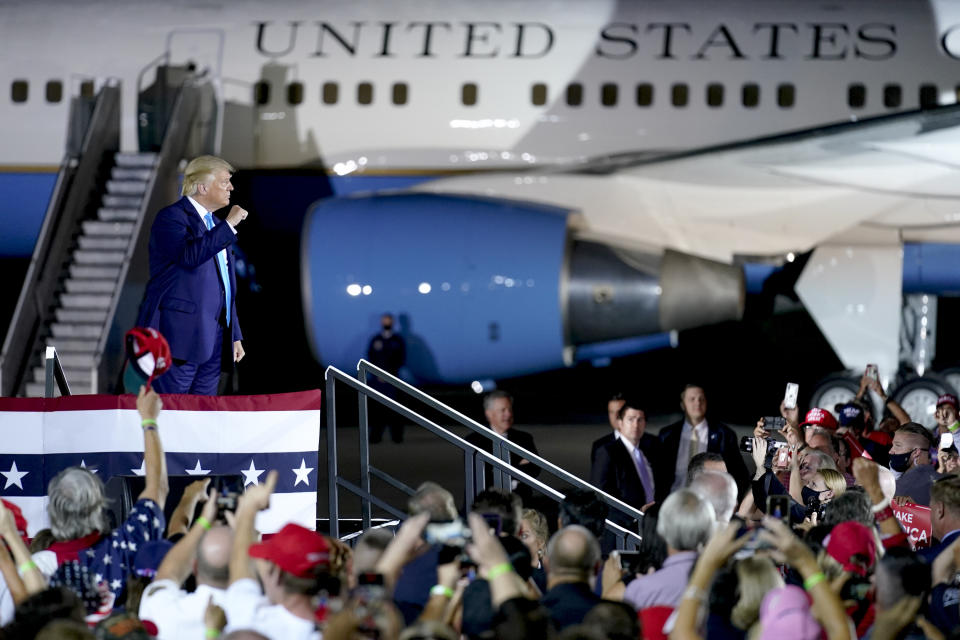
{"points": [[790, 396]]}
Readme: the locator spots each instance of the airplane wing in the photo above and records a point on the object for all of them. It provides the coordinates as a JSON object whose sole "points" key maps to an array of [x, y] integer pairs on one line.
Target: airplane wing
{"points": [[884, 180]]}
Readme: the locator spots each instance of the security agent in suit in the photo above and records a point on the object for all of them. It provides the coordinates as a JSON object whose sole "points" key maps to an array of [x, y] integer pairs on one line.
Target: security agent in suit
{"points": [[697, 433], [625, 468], [613, 409], [191, 295], [498, 409]]}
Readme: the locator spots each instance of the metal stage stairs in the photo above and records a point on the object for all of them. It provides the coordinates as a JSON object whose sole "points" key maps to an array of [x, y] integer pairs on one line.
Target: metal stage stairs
{"points": [[383, 498], [92, 279]]}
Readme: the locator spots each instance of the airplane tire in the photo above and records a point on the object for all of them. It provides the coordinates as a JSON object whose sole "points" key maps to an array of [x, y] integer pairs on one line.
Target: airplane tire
{"points": [[918, 397], [952, 376], [838, 388]]}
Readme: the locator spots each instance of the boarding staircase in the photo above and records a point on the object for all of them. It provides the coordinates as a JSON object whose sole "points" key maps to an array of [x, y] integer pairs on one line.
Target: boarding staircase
{"points": [[89, 267], [373, 486]]}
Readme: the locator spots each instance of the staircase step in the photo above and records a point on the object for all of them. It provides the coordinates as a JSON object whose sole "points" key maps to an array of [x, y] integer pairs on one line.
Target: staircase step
{"points": [[36, 390], [78, 360], [121, 201], [126, 187], [75, 330], [108, 214], [66, 345], [97, 228], [84, 301], [110, 243], [136, 160], [98, 257], [76, 377], [98, 316], [125, 173], [90, 286], [95, 272]]}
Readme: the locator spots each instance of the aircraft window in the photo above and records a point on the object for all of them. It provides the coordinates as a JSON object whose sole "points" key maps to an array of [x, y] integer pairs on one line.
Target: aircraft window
{"points": [[608, 94], [86, 89], [400, 93], [786, 95], [295, 93], [330, 93], [364, 93], [750, 95], [54, 91], [857, 96], [468, 94], [538, 94], [679, 94], [261, 92], [575, 94], [644, 94], [892, 96], [715, 95], [928, 96], [18, 91]]}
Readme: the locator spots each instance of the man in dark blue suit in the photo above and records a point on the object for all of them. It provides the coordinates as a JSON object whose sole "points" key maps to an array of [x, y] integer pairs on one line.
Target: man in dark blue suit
{"points": [[624, 468], [191, 295], [944, 514]]}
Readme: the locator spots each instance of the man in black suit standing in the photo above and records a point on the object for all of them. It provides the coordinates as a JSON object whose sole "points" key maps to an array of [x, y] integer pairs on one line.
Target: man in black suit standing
{"points": [[682, 440], [613, 412], [498, 409], [624, 468]]}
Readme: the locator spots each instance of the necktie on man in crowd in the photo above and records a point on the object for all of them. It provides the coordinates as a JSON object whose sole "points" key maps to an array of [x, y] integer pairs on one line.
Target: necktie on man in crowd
{"points": [[694, 444], [224, 274], [645, 478]]}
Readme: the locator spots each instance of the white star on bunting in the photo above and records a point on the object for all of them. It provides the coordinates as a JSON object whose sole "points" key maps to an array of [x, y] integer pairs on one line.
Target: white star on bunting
{"points": [[83, 465], [142, 471], [303, 473], [251, 475], [197, 471], [14, 476]]}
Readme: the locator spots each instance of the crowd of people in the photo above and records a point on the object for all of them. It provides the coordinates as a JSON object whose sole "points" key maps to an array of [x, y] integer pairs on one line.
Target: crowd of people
{"points": [[808, 546]]}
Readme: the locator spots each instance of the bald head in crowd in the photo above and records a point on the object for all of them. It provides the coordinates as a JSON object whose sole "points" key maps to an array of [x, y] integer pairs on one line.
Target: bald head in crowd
{"points": [[213, 557], [573, 555]]}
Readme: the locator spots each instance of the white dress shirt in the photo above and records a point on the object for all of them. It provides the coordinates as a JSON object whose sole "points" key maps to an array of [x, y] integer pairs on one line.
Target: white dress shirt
{"points": [[683, 451]]}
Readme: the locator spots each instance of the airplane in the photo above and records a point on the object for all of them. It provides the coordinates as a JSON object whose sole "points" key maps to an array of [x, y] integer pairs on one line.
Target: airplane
{"points": [[531, 184]]}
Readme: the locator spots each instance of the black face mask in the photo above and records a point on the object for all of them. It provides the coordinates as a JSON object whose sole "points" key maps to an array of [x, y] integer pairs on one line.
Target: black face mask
{"points": [[900, 462], [810, 496]]}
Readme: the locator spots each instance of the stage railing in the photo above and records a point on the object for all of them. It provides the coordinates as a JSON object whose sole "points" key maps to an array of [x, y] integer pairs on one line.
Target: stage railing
{"points": [[475, 463], [54, 374]]}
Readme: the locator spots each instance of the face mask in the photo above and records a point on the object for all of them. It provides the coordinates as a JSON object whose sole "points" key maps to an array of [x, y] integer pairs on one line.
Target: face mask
{"points": [[900, 462], [809, 495]]}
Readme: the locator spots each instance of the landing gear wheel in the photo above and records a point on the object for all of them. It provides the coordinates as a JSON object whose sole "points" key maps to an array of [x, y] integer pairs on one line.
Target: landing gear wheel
{"points": [[833, 390], [918, 397]]}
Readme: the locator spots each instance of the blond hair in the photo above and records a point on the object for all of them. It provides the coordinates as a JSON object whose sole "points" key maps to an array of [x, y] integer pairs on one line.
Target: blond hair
{"points": [[834, 480], [200, 170], [756, 575]]}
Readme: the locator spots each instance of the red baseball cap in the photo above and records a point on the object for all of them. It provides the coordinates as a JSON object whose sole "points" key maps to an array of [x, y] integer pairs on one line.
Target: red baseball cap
{"points": [[853, 546], [18, 518], [818, 417], [949, 398], [148, 354], [295, 549]]}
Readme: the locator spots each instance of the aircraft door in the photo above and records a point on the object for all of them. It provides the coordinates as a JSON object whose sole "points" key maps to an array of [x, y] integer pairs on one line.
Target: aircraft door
{"points": [[202, 50]]}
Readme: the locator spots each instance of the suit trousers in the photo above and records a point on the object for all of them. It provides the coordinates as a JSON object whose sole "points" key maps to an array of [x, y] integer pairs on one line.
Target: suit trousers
{"points": [[197, 378]]}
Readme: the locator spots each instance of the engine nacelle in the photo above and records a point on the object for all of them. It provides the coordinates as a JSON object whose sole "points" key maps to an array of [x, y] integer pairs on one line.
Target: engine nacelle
{"points": [[488, 288]]}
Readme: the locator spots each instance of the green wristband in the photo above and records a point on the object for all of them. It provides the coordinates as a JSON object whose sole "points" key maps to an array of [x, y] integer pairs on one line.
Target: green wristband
{"points": [[26, 566], [212, 633], [148, 423], [440, 590], [814, 580], [954, 427], [203, 522], [499, 569]]}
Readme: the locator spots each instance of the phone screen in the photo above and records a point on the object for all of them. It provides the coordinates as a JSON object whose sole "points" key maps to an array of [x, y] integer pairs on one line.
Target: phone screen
{"points": [[778, 506]]}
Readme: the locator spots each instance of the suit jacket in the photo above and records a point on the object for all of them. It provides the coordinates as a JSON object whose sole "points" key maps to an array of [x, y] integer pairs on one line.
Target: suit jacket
{"points": [[520, 438], [597, 444], [184, 297], [568, 603], [720, 439], [616, 474]]}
